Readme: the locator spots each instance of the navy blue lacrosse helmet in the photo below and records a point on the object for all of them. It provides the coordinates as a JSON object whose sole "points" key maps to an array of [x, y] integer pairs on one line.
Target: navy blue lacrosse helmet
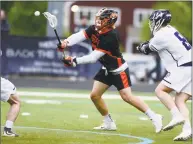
{"points": [[159, 18]]}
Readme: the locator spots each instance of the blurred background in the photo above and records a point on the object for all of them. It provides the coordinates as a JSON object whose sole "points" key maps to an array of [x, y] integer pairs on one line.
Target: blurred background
{"points": [[28, 44]]}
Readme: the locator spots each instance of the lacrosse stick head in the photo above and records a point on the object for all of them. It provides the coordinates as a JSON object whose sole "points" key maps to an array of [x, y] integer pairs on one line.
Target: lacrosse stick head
{"points": [[51, 19]]}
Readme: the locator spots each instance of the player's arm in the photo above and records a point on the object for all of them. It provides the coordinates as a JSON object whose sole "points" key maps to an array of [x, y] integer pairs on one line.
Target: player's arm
{"points": [[76, 38], [157, 43], [91, 58], [99, 51], [71, 40]]}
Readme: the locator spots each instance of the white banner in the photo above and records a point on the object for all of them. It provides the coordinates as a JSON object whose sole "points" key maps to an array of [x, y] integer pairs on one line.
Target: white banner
{"points": [[140, 65]]}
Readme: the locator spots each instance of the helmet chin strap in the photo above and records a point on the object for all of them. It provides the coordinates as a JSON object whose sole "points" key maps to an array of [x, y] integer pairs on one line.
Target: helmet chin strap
{"points": [[153, 31], [98, 29], [104, 26]]}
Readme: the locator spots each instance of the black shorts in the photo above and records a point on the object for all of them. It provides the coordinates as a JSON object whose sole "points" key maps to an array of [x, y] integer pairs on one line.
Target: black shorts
{"points": [[120, 81]]}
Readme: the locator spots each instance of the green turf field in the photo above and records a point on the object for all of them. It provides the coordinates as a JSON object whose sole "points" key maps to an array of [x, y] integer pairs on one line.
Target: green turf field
{"points": [[56, 120]]}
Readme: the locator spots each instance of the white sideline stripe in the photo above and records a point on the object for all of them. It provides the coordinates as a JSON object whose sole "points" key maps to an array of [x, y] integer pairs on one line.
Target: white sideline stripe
{"points": [[34, 101], [77, 95], [143, 140]]}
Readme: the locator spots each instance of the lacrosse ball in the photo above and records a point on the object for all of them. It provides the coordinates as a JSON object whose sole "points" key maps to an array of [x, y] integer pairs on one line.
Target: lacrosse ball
{"points": [[36, 13]]}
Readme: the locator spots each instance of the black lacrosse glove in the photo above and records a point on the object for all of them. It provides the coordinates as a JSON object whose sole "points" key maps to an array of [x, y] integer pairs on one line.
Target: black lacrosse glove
{"points": [[59, 47], [63, 45], [69, 61], [144, 48]]}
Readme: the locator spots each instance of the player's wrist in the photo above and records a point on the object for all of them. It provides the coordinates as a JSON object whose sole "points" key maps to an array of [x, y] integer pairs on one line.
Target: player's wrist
{"points": [[65, 43], [74, 60]]}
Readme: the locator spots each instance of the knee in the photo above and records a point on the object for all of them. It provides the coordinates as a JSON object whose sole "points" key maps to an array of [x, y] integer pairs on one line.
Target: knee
{"points": [[179, 101], [14, 100], [18, 102], [158, 91], [162, 88], [127, 97], [94, 96]]}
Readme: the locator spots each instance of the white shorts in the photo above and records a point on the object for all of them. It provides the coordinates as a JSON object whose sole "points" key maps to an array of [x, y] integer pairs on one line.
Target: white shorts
{"points": [[179, 79], [7, 88]]}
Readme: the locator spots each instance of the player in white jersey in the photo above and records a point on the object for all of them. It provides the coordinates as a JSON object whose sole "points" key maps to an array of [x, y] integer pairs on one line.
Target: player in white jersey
{"points": [[175, 53], [9, 94]]}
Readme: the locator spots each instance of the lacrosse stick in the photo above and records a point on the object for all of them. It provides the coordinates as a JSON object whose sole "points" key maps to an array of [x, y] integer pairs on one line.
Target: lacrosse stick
{"points": [[53, 23]]}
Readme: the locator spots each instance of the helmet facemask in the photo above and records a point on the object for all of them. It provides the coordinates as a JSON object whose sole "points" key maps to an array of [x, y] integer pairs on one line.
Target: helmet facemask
{"points": [[100, 22], [155, 26], [151, 25], [158, 19], [105, 18]]}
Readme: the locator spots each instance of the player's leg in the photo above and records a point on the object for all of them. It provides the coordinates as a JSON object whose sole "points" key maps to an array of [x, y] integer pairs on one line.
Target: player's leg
{"points": [[135, 101], [122, 83], [8, 94], [162, 92], [138, 103], [12, 115], [96, 96], [13, 112], [180, 101], [101, 84]]}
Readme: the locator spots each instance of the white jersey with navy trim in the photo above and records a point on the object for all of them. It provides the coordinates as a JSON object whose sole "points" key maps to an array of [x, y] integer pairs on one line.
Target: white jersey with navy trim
{"points": [[173, 49], [7, 88]]}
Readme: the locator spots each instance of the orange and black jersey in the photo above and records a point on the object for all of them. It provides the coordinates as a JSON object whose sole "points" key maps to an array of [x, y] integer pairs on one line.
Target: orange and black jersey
{"points": [[108, 43]]}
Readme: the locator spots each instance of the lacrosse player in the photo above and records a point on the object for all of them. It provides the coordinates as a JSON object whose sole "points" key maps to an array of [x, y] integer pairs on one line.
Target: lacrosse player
{"points": [[175, 53], [8, 94], [115, 71]]}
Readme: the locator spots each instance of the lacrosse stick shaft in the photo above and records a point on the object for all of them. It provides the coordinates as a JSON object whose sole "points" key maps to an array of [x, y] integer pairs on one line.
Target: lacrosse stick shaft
{"points": [[58, 40], [57, 36], [53, 23]]}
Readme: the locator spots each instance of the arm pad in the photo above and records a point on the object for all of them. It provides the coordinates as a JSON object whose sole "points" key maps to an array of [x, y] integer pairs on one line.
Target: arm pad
{"points": [[76, 38], [91, 58]]}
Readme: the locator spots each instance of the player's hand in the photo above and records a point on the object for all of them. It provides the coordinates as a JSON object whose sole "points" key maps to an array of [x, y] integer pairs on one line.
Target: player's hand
{"points": [[142, 47], [63, 45], [69, 61]]}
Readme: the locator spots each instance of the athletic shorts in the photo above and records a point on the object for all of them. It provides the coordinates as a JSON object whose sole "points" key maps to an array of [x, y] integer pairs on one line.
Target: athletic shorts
{"points": [[120, 81], [7, 88], [179, 79]]}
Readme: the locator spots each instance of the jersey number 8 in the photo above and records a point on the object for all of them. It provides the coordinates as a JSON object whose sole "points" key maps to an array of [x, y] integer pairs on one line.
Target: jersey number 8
{"points": [[183, 40]]}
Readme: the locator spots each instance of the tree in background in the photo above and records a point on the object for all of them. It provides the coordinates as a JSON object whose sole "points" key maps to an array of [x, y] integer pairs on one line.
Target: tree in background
{"points": [[6, 5], [181, 18], [22, 20]]}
